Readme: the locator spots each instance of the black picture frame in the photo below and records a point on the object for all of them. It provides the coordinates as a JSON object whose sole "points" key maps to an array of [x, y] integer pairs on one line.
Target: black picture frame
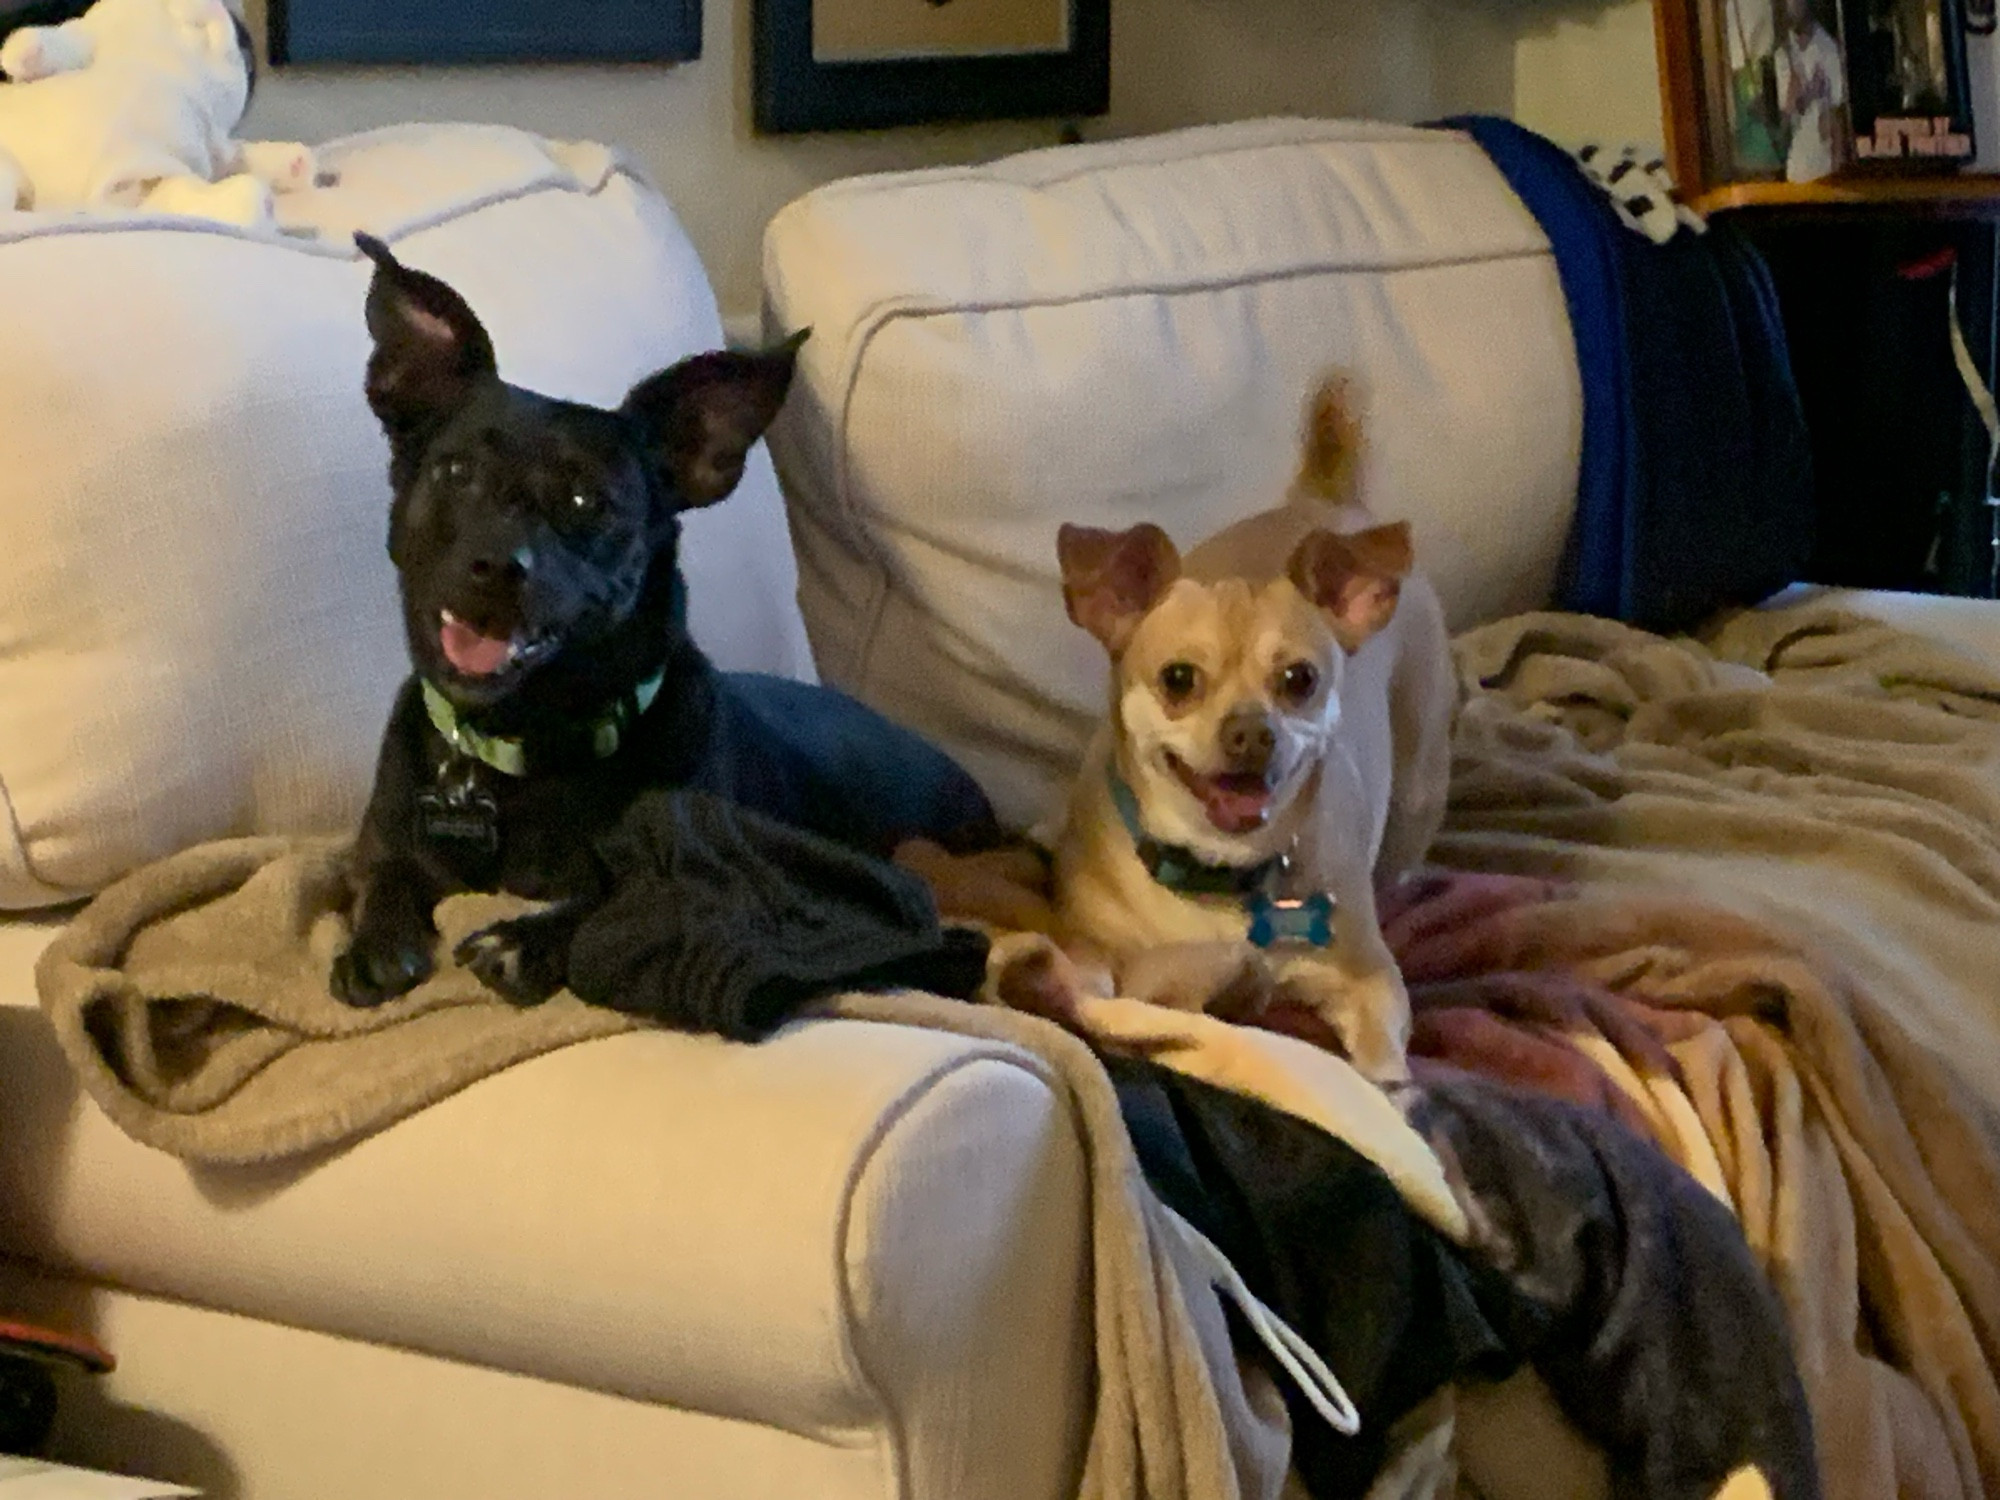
{"points": [[1898, 128], [452, 32], [792, 91]]}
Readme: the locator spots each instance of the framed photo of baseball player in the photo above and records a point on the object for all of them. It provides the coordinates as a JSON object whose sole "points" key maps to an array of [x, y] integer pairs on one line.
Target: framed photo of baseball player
{"points": [[1774, 89]]}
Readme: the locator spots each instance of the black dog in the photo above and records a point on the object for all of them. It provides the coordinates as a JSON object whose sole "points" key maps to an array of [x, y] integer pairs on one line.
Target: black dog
{"points": [[537, 546]]}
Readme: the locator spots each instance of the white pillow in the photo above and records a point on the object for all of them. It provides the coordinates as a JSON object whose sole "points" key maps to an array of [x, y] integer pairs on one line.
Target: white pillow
{"points": [[1109, 334], [198, 628]]}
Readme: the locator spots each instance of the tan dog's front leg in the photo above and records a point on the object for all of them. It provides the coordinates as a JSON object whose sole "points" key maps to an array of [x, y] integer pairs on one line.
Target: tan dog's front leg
{"points": [[1356, 988], [1228, 979], [1029, 971]]}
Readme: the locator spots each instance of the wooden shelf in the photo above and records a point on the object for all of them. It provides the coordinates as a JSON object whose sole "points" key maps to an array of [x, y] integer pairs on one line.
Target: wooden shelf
{"points": [[1957, 195]]}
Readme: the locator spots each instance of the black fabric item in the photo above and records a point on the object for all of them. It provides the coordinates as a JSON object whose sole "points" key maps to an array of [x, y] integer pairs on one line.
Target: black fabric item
{"points": [[722, 920], [1636, 1297], [1322, 1238]]}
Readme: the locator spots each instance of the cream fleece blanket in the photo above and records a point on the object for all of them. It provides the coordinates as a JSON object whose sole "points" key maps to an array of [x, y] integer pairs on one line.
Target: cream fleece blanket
{"points": [[1837, 782]]}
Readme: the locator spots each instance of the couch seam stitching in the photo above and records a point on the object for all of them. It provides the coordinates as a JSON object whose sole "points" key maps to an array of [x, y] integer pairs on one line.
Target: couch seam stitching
{"points": [[891, 310], [884, 183]]}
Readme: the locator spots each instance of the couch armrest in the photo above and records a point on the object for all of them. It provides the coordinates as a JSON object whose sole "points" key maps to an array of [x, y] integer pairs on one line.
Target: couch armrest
{"points": [[862, 1234]]}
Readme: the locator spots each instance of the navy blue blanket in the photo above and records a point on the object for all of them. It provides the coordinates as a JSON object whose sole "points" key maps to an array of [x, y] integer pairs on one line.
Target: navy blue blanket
{"points": [[1695, 489]]}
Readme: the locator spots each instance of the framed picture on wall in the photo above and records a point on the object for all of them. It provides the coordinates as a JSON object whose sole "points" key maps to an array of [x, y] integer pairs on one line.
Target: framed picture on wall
{"points": [[1774, 90], [865, 64], [483, 31], [1906, 66]]}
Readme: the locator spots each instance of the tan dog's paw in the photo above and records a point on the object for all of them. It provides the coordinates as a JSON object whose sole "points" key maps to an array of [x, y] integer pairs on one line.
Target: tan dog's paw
{"points": [[1026, 971], [1369, 1012]]}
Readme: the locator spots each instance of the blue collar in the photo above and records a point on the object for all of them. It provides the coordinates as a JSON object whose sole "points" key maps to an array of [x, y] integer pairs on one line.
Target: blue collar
{"points": [[1275, 921], [1183, 870]]}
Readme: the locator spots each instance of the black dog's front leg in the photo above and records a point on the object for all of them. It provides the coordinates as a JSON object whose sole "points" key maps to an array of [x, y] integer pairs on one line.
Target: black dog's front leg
{"points": [[525, 959], [392, 948], [394, 934]]}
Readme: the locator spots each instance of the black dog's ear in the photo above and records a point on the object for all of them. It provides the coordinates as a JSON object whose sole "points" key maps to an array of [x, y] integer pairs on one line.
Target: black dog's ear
{"points": [[701, 417], [429, 348]]}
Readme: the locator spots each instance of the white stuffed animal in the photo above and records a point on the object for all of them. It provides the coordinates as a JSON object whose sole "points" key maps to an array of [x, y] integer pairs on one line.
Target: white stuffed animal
{"points": [[133, 105]]}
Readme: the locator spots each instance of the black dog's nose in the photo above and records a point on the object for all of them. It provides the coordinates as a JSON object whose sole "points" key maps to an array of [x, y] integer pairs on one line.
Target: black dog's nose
{"points": [[1247, 741], [513, 568]]}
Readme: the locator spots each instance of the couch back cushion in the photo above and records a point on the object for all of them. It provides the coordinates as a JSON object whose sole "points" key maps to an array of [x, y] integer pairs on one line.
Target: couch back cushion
{"points": [[199, 634], [1115, 333]]}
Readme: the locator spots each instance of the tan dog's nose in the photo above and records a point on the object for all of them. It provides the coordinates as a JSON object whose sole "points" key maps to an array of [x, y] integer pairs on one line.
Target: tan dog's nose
{"points": [[1247, 741]]}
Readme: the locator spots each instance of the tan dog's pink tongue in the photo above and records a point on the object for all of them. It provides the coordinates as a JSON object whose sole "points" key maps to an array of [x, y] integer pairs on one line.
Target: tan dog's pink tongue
{"points": [[1235, 810], [470, 652]]}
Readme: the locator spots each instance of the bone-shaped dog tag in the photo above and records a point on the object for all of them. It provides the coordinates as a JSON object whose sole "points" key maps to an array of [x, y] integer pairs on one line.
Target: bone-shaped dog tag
{"points": [[1307, 920]]}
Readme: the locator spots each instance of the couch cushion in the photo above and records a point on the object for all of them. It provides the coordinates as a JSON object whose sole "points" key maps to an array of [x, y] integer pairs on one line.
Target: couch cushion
{"points": [[1112, 333], [198, 632]]}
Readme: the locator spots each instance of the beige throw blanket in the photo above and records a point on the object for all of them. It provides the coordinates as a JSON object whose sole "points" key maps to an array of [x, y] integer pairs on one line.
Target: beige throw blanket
{"points": [[1837, 782], [192, 1000]]}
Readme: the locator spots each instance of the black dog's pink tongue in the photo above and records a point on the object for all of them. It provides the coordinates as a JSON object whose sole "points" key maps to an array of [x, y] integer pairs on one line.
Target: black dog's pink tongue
{"points": [[470, 652]]}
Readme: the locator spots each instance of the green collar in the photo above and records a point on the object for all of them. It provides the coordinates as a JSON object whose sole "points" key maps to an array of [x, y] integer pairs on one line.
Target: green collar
{"points": [[510, 756], [1183, 870]]}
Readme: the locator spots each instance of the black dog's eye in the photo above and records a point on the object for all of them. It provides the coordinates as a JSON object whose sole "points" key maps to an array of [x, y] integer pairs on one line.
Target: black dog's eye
{"points": [[582, 501], [452, 470], [1298, 681], [1178, 680]]}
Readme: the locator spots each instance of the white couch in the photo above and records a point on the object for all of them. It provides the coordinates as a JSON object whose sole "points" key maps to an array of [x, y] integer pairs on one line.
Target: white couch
{"points": [[851, 1261]]}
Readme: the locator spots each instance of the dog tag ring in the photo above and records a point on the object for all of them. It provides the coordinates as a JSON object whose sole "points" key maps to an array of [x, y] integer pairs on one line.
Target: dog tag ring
{"points": [[460, 812], [1277, 921]]}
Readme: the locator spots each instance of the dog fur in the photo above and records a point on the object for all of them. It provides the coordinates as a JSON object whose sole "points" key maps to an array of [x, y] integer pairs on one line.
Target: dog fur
{"points": [[1321, 673]]}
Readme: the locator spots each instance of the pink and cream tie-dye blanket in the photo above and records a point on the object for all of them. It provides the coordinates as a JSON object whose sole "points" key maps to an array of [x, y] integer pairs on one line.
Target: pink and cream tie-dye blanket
{"points": [[1745, 893]]}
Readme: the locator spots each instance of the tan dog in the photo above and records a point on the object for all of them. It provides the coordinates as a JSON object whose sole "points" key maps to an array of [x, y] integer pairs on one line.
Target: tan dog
{"points": [[1278, 739]]}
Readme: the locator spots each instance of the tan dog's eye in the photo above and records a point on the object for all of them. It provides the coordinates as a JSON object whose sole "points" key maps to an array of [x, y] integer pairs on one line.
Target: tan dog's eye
{"points": [[1299, 681], [1179, 680]]}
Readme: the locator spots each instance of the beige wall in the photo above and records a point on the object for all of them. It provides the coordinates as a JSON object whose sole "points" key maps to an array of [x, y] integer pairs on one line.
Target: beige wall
{"points": [[1175, 62], [1587, 72]]}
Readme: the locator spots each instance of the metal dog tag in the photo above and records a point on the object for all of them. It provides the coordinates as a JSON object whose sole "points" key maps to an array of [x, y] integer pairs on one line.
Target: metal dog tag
{"points": [[1277, 920], [460, 812]]}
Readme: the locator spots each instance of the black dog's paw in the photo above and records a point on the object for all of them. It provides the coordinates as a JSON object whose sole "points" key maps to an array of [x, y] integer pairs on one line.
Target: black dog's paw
{"points": [[371, 973], [523, 961]]}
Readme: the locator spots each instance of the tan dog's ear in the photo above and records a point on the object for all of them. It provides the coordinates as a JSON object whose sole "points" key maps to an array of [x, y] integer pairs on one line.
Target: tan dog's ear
{"points": [[1111, 578], [1355, 579], [1330, 460]]}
